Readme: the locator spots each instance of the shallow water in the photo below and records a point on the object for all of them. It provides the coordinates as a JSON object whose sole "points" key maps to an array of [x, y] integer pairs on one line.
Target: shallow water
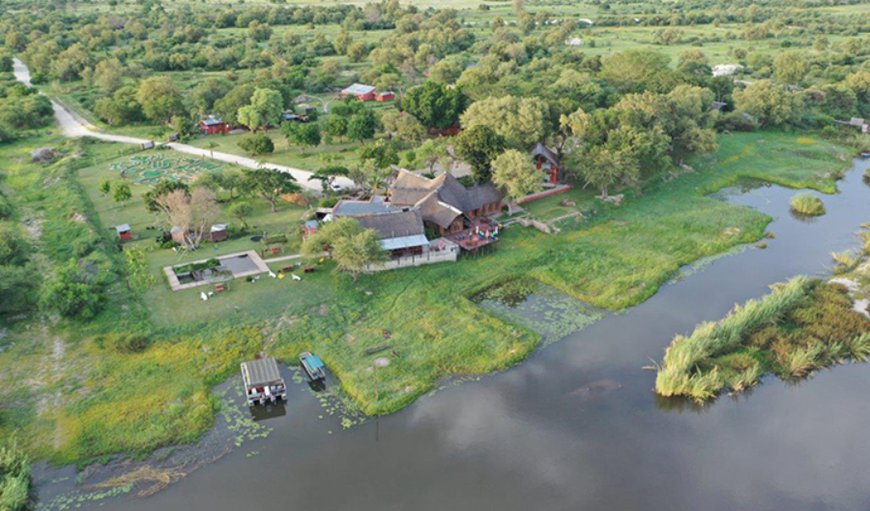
{"points": [[577, 426]]}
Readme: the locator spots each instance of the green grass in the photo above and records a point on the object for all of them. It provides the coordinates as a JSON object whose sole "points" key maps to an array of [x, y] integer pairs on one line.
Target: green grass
{"points": [[617, 259], [807, 205]]}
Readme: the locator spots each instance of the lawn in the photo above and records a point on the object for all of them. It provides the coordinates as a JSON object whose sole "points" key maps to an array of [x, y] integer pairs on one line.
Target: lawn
{"points": [[433, 330]]}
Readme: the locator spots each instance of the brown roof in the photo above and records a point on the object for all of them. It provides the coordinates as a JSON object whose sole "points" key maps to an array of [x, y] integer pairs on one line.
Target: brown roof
{"points": [[544, 152], [441, 199], [396, 224]]}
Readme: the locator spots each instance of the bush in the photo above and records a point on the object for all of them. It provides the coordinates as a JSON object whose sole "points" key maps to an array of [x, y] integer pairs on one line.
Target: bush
{"points": [[125, 342], [258, 143], [14, 476], [73, 292], [13, 247], [18, 287], [807, 205]]}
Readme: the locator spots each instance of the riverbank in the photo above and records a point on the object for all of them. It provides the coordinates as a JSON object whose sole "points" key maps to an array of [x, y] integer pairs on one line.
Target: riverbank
{"points": [[425, 315]]}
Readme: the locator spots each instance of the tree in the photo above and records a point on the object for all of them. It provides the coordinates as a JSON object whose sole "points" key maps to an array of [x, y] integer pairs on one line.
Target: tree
{"points": [[163, 187], [790, 66], [159, 98], [13, 247], [72, 292], [257, 143], [194, 213], [479, 146], [768, 103], [362, 125], [228, 181], [263, 111], [604, 167], [122, 193], [109, 75], [335, 126], [241, 211], [326, 175], [121, 108], [302, 134], [403, 126], [206, 93], [382, 154], [434, 104], [269, 184], [105, 187], [514, 173], [520, 121], [352, 247], [430, 153], [228, 106], [638, 70]]}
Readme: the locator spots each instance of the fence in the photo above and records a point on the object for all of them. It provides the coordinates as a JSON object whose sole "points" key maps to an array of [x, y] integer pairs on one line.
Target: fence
{"points": [[431, 257]]}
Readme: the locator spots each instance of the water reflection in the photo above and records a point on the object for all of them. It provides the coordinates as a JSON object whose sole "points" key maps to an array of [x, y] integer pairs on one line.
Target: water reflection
{"points": [[270, 411]]}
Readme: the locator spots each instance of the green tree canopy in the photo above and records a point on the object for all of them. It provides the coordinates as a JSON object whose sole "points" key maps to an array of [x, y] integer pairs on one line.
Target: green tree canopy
{"points": [[520, 121], [514, 173], [434, 104], [352, 247], [264, 110], [479, 145], [269, 184], [159, 98]]}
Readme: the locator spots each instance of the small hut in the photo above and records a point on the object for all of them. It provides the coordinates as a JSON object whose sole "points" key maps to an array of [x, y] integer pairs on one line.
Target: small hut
{"points": [[385, 96], [361, 91], [124, 232], [218, 232], [547, 161], [177, 234], [309, 228]]}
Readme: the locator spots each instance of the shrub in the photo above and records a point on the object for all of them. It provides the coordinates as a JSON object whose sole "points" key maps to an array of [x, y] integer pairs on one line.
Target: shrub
{"points": [[807, 205], [14, 476], [258, 143], [125, 342], [73, 292]]}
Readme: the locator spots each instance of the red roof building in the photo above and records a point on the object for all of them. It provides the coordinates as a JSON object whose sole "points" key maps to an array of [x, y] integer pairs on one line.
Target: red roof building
{"points": [[212, 125]]}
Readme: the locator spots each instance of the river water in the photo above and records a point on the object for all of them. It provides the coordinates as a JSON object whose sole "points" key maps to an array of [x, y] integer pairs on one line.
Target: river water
{"points": [[577, 426]]}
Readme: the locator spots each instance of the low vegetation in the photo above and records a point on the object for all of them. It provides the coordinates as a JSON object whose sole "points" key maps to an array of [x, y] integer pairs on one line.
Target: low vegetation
{"points": [[807, 205], [14, 476], [801, 326]]}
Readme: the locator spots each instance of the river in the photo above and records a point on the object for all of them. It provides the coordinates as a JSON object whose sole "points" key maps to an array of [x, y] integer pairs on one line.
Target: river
{"points": [[577, 426]]}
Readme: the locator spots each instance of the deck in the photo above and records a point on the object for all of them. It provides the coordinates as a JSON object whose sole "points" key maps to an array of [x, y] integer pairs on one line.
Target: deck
{"points": [[482, 233]]}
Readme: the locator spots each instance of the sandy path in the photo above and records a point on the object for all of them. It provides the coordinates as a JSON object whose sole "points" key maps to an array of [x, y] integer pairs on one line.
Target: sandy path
{"points": [[74, 127]]}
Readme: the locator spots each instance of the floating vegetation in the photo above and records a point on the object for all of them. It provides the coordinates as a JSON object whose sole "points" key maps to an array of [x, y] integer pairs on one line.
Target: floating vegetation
{"points": [[805, 204], [538, 307]]}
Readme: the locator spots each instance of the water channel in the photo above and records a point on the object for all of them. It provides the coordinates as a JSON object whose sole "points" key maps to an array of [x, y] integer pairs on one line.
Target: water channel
{"points": [[577, 426]]}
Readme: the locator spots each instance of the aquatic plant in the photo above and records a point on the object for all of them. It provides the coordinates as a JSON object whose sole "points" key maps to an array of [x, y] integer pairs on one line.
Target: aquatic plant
{"points": [[845, 261], [807, 205], [680, 374], [801, 326]]}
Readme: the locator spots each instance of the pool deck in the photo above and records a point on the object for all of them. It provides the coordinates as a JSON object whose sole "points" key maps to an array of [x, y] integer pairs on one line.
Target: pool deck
{"points": [[255, 258]]}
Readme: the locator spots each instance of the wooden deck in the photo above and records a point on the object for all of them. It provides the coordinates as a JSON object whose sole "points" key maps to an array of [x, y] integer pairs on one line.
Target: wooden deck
{"points": [[475, 237]]}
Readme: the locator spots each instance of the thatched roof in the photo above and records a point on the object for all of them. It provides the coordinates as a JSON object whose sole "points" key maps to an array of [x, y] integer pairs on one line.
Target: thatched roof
{"points": [[441, 199]]}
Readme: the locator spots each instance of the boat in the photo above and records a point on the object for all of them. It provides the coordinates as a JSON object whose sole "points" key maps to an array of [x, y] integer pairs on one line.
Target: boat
{"points": [[865, 154], [263, 382], [313, 366]]}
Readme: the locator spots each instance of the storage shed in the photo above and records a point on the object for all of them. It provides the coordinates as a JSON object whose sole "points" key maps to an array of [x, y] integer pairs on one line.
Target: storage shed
{"points": [[124, 232], [218, 232], [360, 91]]}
